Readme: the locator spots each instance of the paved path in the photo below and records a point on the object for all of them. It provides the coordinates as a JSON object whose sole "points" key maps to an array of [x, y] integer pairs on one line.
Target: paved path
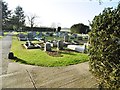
{"points": [[18, 75], [4, 50], [5, 44]]}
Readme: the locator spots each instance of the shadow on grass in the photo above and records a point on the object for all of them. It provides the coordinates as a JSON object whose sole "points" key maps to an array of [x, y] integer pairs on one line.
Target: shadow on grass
{"points": [[20, 60], [67, 51]]}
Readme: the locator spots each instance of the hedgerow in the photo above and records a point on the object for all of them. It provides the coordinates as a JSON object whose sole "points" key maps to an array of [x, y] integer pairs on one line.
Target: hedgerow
{"points": [[104, 48]]}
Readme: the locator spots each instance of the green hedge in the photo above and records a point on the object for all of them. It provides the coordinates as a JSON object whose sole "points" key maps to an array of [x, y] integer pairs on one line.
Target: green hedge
{"points": [[105, 47]]}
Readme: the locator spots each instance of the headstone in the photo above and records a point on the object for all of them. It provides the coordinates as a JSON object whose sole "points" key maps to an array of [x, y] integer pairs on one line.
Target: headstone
{"points": [[57, 34], [60, 45], [61, 34], [44, 39], [40, 34], [22, 37], [54, 43], [65, 34], [30, 36], [34, 34], [47, 46], [85, 49], [38, 37], [76, 48], [66, 38]]}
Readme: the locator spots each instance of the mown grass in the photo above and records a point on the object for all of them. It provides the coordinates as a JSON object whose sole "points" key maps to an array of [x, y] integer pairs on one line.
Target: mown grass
{"points": [[41, 58]]}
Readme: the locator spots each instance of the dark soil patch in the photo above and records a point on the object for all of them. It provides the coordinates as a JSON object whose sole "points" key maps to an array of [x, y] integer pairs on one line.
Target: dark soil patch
{"points": [[58, 53], [54, 54]]}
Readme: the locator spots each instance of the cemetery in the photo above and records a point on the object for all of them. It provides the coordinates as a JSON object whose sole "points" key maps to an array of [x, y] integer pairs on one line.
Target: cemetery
{"points": [[33, 41], [50, 48]]}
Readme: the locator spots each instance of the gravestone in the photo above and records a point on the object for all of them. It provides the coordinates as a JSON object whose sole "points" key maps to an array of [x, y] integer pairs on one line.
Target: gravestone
{"points": [[57, 34], [66, 38], [44, 39], [34, 34], [76, 48], [85, 49], [54, 43], [30, 36], [60, 45], [65, 34], [47, 46], [61, 34], [22, 37], [40, 34], [38, 37]]}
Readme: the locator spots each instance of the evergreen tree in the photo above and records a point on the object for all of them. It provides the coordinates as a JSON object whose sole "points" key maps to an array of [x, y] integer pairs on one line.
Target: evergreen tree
{"points": [[18, 19], [6, 14]]}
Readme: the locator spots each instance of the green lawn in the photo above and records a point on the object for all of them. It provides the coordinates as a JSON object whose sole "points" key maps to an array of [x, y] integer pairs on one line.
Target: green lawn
{"points": [[41, 58]]}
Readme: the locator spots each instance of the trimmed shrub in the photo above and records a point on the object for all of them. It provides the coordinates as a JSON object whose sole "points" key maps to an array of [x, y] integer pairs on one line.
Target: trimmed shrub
{"points": [[104, 48]]}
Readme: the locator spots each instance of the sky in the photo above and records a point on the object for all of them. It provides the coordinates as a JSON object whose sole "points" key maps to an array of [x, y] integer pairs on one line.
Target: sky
{"points": [[64, 13]]}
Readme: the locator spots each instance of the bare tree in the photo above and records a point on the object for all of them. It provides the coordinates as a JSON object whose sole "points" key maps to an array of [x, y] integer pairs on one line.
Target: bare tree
{"points": [[31, 20]]}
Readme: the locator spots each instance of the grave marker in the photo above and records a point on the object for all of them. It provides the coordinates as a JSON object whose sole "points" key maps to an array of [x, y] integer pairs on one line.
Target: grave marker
{"points": [[22, 37], [60, 45], [66, 38], [47, 46], [30, 36], [54, 43]]}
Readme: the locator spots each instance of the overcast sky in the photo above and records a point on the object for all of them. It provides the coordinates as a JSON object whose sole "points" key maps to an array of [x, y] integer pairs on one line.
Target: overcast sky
{"points": [[63, 13]]}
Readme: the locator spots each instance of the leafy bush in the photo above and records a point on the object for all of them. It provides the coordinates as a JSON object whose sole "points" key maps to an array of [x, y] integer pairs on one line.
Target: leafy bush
{"points": [[104, 48]]}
